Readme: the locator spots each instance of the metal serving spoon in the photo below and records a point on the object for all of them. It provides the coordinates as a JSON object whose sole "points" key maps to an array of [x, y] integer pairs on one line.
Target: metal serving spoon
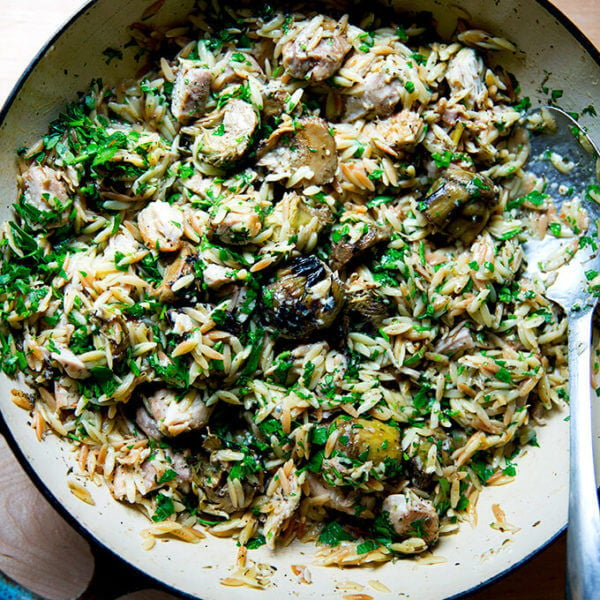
{"points": [[571, 290]]}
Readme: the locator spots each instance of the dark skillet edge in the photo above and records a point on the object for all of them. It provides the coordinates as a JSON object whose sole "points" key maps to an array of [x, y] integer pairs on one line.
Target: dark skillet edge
{"points": [[565, 21]]}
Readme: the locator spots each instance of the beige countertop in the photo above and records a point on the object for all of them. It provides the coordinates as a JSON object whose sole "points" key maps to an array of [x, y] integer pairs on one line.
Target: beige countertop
{"points": [[63, 568]]}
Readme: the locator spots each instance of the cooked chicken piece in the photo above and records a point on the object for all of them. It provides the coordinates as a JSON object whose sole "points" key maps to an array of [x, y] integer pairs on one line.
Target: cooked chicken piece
{"points": [[305, 151], [379, 96], [237, 219], [120, 488], [180, 465], [198, 184], [216, 276], [161, 226], [399, 132], [65, 394], [235, 68], [176, 461], [225, 135], [74, 367], [412, 516], [190, 92], [335, 498], [124, 480], [455, 341], [46, 202], [465, 76], [317, 50], [360, 236], [181, 267], [283, 503], [125, 246], [182, 323], [175, 416], [150, 476], [126, 486], [147, 424]]}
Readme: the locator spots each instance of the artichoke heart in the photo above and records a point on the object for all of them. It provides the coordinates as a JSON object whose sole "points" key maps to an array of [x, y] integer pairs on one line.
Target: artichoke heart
{"points": [[369, 439], [459, 204], [305, 296]]}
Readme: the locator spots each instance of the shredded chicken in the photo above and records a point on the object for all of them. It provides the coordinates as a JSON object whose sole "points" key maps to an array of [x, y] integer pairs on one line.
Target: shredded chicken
{"points": [[161, 226], [173, 415], [465, 78], [411, 516], [45, 198]]}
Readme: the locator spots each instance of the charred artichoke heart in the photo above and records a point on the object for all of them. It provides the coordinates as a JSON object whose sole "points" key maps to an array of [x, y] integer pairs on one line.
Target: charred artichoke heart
{"points": [[350, 246], [307, 143], [305, 296], [459, 204], [367, 304], [363, 300]]}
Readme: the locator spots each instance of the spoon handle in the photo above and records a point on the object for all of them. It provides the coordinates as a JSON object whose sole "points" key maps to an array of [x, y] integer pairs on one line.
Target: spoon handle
{"points": [[583, 534]]}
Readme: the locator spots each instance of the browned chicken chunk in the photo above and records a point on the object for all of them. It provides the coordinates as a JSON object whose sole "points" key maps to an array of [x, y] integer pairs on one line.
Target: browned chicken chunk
{"points": [[47, 198], [318, 50], [411, 516], [190, 92], [174, 416]]}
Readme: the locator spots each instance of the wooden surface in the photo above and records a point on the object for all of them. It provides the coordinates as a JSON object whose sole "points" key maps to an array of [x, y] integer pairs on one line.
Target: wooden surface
{"points": [[25, 541]]}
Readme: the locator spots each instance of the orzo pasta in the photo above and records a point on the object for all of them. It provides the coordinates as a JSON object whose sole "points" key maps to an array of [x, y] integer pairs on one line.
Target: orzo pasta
{"points": [[273, 288]]}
